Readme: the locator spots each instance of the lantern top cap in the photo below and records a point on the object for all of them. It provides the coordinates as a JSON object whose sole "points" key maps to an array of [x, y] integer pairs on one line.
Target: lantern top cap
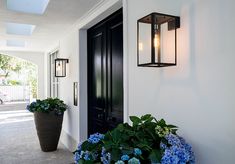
{"points": [[159, 18], [62, 59]]}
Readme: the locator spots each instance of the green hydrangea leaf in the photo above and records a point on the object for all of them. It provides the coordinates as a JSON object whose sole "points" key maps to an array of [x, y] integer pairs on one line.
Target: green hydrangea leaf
{"points": [[155, 156], [136, 120], [146, 117]]}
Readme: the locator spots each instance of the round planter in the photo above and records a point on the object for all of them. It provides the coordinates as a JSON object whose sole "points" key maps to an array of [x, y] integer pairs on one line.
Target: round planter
{"points": [[48, 127]]}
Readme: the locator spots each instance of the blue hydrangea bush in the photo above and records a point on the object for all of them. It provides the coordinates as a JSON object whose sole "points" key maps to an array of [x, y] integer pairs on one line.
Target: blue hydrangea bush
{"points": [[47, 106], [146, 141]]}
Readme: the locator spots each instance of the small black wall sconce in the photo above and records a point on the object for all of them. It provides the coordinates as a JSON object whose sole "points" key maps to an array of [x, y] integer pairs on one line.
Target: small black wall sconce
{"points": [[75, 93], [157, 40], [60, 67]]}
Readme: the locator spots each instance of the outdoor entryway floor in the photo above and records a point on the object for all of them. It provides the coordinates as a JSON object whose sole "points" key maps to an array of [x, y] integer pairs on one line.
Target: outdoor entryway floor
{"points": [[19, 143]]}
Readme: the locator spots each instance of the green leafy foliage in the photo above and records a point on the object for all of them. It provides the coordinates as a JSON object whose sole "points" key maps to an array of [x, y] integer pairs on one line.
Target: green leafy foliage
{"points": [[14, 82], [124, 139], [5, 63], [155, 156], [48, 105], [11, 68]]}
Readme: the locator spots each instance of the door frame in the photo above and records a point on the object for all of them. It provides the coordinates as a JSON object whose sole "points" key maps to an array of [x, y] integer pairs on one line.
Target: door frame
{"points": [[96, 15]]}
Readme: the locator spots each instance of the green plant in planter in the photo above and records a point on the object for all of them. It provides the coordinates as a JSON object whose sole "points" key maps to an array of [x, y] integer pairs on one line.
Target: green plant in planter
{"points": [[48, 105], [147, 140]]}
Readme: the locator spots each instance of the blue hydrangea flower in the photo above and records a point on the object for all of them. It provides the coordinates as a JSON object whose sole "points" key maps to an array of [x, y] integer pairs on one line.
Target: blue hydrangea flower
{"points": [[80, 146], [103, 152], [169, 158], [105, 156], [189, 149], [119, 162], [178, 152], [125, 157], [79, 154], [172, 139], [163, 146], [76, 157], [134, 161], [106, 159], [181, 153], [87, 156], [95, 138], [137, 151], [82, 155]]}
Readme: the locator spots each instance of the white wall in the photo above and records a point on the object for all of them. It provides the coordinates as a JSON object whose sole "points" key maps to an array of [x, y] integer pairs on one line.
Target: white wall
{"points": [[36, 58], [68, 48], [197, 95]]}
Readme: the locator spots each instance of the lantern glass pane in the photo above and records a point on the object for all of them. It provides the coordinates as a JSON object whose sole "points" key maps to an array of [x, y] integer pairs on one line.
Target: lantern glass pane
{"points": [[144, 43], [165, 46], [60, 68]]}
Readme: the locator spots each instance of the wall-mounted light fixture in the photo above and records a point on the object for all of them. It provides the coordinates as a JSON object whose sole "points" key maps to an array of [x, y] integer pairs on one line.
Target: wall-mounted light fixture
{"points": [[60, 67], [157, 40]]}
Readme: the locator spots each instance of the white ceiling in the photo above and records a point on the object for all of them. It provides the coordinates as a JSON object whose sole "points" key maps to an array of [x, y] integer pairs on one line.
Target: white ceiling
{"points": [[58, 18]]}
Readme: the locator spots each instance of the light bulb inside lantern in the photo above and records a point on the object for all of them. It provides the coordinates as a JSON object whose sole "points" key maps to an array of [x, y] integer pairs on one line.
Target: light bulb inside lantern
{"points": [[141, 47], [58, 67], [156, 41]]}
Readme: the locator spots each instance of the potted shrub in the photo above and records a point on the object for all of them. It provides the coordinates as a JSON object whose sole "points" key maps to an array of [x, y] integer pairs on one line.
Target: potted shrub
{"points": [[146, 141], [48, 117]]}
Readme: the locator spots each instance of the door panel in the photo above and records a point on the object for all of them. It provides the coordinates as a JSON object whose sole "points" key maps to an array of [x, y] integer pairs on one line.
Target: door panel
{"points": [[96, 78], [115, 72], [97, 71], [105, 74]]}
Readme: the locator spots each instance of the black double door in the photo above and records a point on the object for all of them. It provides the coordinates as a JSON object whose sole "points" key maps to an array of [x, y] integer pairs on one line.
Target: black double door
{"points": [[105, 74]]}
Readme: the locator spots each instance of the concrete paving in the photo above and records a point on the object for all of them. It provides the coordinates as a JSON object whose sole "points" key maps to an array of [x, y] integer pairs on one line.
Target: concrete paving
{"points": [[19, 143]]}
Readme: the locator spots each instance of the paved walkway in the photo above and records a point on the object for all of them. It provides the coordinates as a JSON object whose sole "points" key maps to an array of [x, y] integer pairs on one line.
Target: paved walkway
{"points": [[19, 143]]}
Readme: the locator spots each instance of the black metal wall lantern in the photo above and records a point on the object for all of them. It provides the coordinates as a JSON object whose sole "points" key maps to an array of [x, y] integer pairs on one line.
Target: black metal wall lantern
{"points": [[157, 40], [60, 67]]}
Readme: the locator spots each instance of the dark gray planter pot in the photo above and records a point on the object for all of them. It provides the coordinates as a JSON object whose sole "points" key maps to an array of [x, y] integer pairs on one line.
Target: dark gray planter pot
{"points": [[48, 127]]}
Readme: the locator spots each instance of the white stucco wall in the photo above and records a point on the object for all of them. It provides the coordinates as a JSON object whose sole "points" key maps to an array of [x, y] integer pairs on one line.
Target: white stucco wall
{"points": [[197, 95], [68, 48], [36, 58]]}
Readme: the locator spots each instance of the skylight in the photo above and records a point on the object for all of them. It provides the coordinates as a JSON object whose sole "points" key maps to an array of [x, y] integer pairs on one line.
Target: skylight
{"points": [[15, 43], [19, 29], [28, 6]]}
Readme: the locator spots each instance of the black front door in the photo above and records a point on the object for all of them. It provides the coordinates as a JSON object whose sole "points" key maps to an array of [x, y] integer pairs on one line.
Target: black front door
{"points": [[105, 74]]}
